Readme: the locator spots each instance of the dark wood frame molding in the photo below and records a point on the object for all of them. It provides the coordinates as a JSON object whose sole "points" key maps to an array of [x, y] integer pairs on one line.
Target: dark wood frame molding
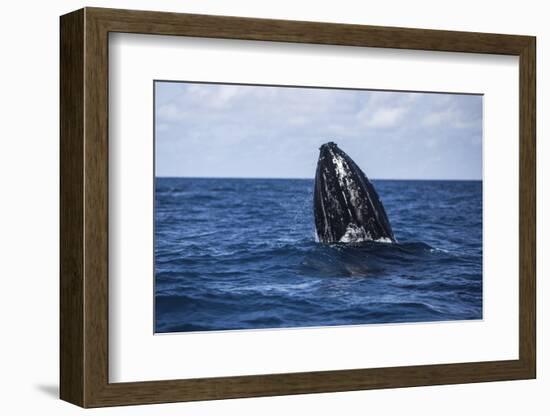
{"points": [[84, 208]]}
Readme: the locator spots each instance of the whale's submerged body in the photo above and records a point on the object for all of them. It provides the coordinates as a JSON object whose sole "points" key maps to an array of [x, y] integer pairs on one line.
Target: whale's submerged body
{"points": [[347, 208]]}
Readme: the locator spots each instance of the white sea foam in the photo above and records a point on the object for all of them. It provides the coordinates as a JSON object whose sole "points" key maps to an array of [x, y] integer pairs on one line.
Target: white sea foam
{"points": [[356, 234], [384, 240]]}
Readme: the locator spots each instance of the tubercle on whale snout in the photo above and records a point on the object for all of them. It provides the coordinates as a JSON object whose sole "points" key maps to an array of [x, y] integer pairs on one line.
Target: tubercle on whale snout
{"points": [[328, 145]]}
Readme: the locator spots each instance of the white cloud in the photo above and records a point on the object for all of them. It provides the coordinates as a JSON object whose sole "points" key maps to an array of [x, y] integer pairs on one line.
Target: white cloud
{"points": [[162, 127], [225, 95], [450, 118], [382, 118], [274, 131], [168, 112]]}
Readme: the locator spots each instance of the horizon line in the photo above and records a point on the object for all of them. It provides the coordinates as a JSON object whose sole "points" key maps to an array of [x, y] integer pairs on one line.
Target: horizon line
{"points": [[312, 178]]}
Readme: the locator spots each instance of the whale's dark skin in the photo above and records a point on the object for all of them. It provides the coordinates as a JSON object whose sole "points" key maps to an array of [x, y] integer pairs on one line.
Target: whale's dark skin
{"points": [[347, 208]]}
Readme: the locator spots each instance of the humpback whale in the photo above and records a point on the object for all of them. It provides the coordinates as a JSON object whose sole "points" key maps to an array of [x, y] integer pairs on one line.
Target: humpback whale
{"points": [[347, 208]]}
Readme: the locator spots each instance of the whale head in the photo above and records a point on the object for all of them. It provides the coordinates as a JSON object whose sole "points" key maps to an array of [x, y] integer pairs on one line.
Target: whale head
{"points": [[347, 208]]}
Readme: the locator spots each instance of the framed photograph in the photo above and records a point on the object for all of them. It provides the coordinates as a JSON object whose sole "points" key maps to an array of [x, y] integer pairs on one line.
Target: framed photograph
{"points": [[255, 207]]}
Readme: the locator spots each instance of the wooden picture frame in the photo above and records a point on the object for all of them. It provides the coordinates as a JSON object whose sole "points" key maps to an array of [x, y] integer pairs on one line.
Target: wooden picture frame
{"points": [[84, 207]]}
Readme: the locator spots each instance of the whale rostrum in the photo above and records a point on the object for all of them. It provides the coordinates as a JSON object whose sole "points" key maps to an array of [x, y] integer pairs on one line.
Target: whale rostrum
{"points": [[347, 208]]}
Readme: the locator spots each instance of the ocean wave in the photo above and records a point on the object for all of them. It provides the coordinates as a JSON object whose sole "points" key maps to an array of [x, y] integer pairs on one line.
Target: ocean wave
{"points": [[249, 259]]}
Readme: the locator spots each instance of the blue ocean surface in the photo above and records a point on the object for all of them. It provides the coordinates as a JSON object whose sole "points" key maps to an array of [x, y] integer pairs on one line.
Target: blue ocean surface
{"points": [[241, 254]]}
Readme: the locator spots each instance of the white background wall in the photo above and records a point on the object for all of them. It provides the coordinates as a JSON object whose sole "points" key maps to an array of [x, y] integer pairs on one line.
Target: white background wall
{"points": [[29, 210]]}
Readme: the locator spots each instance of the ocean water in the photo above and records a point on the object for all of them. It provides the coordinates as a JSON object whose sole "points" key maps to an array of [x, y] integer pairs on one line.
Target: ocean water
{"points": [[241, 254]]}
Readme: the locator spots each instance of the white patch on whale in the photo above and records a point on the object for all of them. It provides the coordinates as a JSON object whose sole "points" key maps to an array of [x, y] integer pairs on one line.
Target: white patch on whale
{"points": [[356, 234], [341, 170]]}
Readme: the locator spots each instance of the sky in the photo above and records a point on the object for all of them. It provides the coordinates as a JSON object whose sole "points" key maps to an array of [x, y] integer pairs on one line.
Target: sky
{"points": [[221, 130]]}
